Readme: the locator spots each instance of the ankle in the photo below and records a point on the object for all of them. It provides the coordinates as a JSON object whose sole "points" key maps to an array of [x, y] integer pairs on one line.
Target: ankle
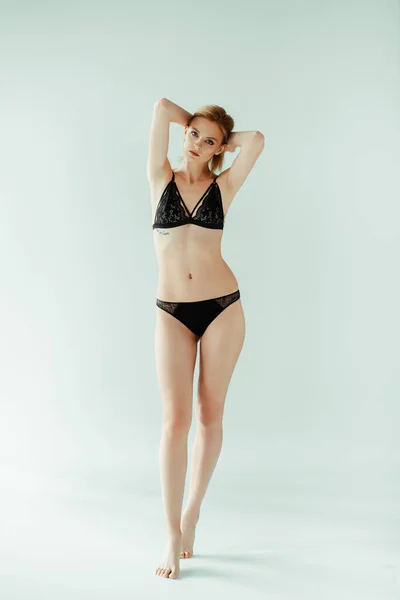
{"points": [[174, 533]]}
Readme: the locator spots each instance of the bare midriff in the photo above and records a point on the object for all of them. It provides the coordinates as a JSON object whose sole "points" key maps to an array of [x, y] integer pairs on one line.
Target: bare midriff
{"points": [[190, 264]]}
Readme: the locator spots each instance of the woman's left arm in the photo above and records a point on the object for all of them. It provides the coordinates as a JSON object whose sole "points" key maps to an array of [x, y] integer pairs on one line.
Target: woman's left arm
{"points": [[238, 138]]}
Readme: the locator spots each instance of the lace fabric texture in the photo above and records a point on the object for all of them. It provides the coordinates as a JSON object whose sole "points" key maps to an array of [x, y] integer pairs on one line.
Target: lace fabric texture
{"points": [[210, 211], [171, 210], [223, 301], [168, 306]]}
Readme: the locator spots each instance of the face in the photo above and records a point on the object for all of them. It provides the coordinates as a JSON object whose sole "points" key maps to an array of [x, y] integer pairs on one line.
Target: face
{"points": [[205, 138]]}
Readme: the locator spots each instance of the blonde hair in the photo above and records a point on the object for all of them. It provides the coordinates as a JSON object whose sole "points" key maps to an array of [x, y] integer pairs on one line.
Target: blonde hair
{"points": [[215, 114]]}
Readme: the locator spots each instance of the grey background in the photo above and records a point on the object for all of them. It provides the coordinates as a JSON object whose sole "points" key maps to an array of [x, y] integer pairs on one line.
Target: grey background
{"points": [[305, 494]]}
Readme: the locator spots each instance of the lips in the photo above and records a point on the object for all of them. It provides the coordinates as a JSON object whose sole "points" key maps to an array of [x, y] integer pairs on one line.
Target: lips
{"points": [[193, 152]]}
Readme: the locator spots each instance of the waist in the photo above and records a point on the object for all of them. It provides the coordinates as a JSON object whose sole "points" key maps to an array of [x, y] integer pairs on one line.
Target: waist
{"points": [[195, 280]]}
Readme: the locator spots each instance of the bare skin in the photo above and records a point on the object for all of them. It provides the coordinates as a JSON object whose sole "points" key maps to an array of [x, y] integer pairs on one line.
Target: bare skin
{"points": [[169, 565], [181, 251], [176, 350], [191, 268], [189, 522]]}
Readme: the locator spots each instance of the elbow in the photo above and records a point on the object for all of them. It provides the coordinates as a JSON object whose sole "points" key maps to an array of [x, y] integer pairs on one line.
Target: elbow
{"points": [[259, 140], [161, 102]]}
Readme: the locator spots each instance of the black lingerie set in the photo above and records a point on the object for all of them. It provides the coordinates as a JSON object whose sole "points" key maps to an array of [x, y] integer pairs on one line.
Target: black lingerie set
{"points": [[170, 212]]}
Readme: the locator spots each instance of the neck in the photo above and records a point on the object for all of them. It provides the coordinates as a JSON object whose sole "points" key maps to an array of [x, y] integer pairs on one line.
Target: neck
{"points": [[194, 172]]}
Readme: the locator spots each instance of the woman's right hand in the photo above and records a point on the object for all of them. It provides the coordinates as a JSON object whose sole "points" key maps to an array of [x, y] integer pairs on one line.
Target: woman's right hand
{"points": [[230, 145]]}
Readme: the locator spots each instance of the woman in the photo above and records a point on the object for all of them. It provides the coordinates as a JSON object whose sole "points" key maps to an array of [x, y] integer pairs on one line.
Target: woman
{"points": [[198, 298]]}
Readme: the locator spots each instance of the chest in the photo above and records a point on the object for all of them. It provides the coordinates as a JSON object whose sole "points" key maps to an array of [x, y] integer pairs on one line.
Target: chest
{"points": [[190, 198]]}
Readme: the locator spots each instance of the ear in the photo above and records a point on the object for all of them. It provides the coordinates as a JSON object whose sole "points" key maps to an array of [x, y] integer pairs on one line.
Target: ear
{"points": [[222, 149]]}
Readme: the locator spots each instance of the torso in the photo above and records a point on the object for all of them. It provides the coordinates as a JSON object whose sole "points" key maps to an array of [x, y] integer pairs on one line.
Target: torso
{"points": [[189, 257]]}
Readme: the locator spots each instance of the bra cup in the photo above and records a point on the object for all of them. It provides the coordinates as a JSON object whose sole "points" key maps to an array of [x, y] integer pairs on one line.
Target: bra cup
{"points": [[210, 210], [171, 212]]}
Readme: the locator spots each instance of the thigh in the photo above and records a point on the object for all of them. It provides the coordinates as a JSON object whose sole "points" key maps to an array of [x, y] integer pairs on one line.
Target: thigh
{"points": [[220, 347], [175, 354]]}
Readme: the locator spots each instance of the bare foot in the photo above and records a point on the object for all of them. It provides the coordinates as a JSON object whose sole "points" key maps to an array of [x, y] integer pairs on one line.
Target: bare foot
{"points": [[169, 565], [188, 527]]}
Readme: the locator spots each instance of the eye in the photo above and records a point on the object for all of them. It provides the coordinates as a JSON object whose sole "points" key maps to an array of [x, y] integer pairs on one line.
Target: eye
{"points": [[195, 133]]}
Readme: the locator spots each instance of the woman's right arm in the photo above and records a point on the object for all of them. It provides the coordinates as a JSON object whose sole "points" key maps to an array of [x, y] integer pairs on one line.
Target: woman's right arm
{"points": [[164, 112], [176, 113]]}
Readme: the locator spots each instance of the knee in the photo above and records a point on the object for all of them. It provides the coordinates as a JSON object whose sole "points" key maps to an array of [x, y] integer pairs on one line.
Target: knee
{"points": [[210, 415], [177, 422]]}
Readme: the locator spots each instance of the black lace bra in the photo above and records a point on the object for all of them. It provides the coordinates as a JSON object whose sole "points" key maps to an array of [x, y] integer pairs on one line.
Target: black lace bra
{"points": [[173, 212]]}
